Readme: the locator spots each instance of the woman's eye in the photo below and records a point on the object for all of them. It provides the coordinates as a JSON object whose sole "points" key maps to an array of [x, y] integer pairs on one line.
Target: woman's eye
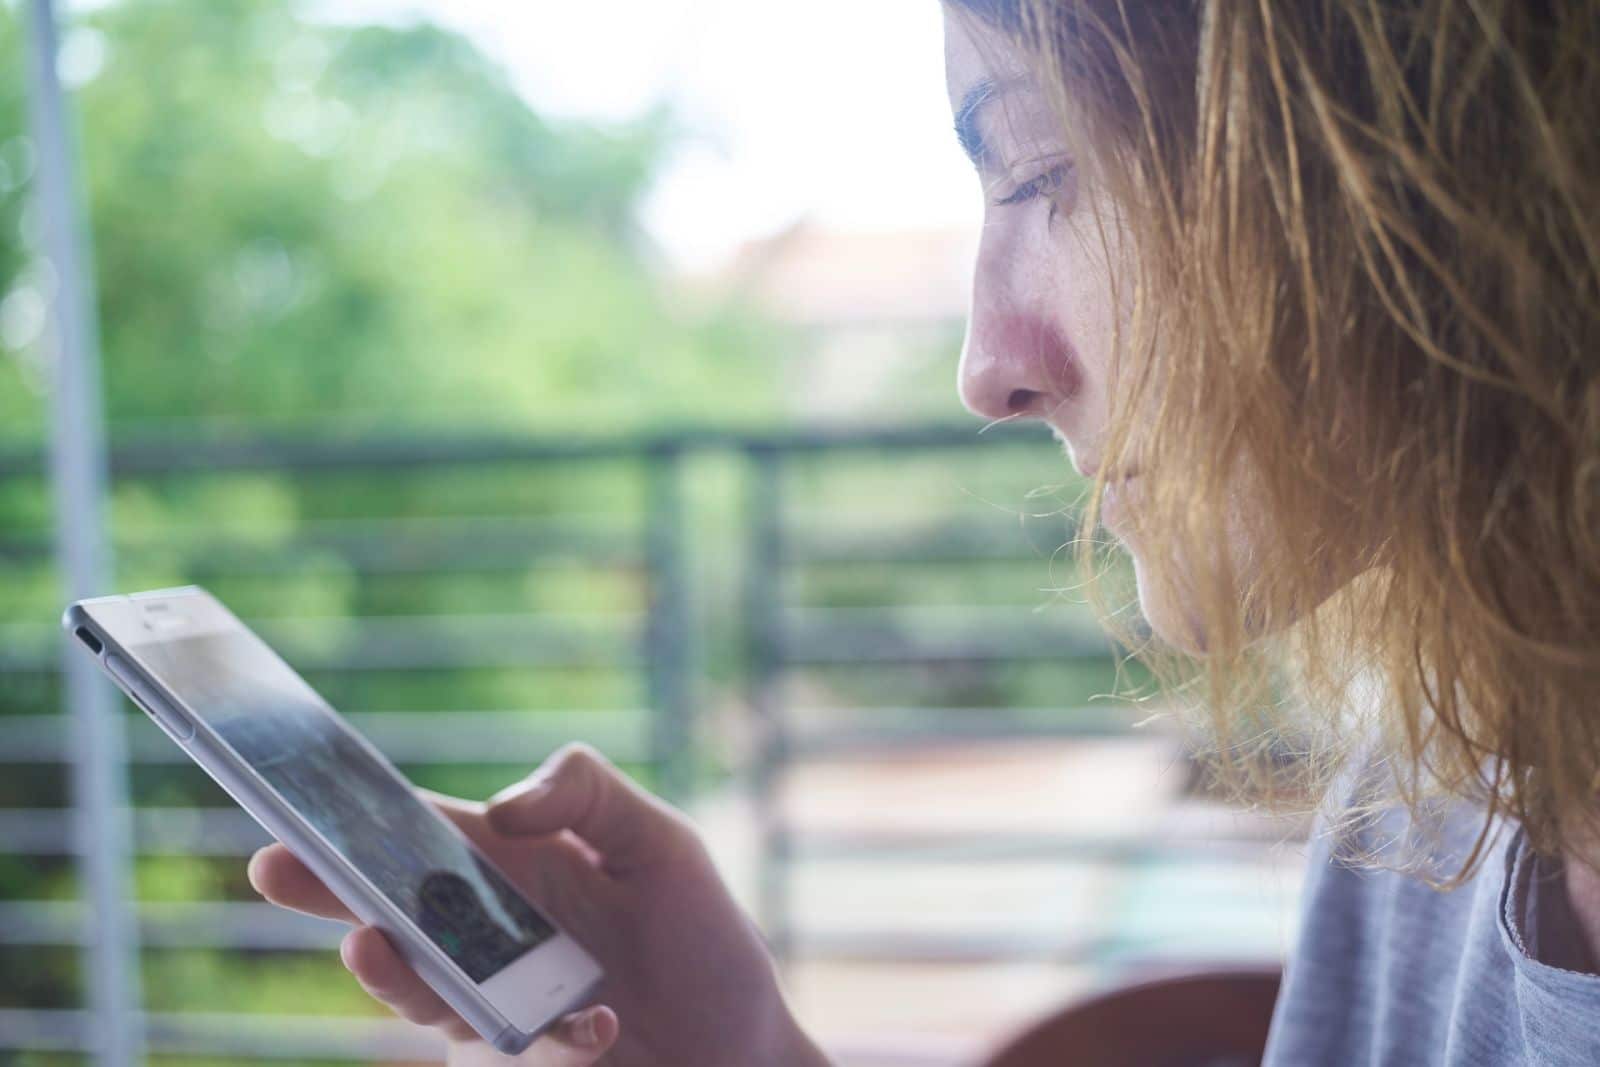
{"points": [[1047, 184]]}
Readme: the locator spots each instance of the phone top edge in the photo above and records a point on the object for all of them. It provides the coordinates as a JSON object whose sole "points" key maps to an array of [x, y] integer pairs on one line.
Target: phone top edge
{"points": [[138, 618], [80, 612], [175, 591], [77, 612], [73, 616]]}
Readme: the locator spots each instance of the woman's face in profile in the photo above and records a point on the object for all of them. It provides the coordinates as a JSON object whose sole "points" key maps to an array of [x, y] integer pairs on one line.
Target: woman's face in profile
{"points": [[1044, 316]]}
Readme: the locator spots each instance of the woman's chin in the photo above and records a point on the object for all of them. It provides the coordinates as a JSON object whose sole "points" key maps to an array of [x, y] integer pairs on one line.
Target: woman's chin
{"points": [[1169, 613]]}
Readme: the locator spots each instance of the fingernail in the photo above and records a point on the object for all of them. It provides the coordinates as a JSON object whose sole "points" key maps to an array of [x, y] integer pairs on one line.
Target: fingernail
{"points": [[250, 869], [586, 1031], [531, 787], [344, 951]]}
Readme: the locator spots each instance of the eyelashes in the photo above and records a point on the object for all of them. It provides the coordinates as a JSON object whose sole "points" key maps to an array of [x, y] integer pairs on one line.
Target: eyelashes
{"points": [[1047, 184]]}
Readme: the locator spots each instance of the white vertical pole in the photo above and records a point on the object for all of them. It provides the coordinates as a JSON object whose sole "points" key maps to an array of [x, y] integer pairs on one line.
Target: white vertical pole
{"points": [[78, 474]]}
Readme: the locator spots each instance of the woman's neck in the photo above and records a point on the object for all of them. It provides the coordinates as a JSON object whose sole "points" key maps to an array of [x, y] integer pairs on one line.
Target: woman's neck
{"points": [[1583, 892]]}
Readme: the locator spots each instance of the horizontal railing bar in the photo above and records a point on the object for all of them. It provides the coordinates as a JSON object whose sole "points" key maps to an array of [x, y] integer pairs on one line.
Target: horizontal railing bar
{"points": [[476, 554], [247, 561], [863, 737], [913, 553], [157, 831], [404, 736], [359, 530], [948, 618], [395, 643], [401, 545], [975, 616], [1018, 946], [212, 453], [393, 547], [962, 542], [321, 630], [944, 846], [210, 924], [846, 643], [241, 1035], [811, 636], [265, 927], [298, 1037], [225, 832], [972, 948]]}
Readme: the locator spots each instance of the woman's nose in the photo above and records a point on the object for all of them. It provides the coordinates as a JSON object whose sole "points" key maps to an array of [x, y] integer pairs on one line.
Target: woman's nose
{"points": [[1014, 366]]}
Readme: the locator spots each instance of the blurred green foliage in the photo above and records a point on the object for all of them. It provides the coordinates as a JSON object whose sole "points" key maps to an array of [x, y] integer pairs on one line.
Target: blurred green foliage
{"points": [[296, 222]]}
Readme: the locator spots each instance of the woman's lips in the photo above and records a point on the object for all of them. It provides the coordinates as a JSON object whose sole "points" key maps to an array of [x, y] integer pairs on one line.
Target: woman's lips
{"points": [[1119, 486]]}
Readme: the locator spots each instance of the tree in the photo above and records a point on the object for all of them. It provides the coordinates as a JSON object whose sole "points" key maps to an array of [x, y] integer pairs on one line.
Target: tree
{"points": [[298, 222]]}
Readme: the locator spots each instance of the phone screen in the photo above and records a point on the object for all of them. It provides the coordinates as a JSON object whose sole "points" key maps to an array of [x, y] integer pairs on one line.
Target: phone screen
{"points": [[357, 801]]}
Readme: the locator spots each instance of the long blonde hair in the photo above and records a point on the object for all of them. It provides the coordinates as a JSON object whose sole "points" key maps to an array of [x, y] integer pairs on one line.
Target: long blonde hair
{"points": [[1375, 229]]}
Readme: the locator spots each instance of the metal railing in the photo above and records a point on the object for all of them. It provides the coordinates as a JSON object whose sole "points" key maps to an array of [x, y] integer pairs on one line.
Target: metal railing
{"points": [[658, 645], [650, 644]]}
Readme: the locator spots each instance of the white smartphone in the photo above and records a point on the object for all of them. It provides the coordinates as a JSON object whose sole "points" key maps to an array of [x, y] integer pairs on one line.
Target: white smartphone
{"points": [[322, 789]]}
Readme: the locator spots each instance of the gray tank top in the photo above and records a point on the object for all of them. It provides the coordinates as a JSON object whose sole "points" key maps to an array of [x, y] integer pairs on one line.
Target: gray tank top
{"points": [[1391, 972]]}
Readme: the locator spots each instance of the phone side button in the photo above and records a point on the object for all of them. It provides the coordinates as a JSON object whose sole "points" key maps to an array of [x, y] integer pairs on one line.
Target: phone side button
{"points": [[170, 719]]}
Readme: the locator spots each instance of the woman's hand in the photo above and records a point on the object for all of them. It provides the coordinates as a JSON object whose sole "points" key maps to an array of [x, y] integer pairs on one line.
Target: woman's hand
{"points": [[688, 980]]}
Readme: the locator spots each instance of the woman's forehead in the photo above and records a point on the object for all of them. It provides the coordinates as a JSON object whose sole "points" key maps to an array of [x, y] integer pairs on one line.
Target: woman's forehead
{"points": [[975, 54]]}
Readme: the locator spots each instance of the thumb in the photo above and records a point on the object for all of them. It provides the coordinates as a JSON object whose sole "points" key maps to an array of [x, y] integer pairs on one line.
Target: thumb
{"points": [[579, 1040], [577, 789]]}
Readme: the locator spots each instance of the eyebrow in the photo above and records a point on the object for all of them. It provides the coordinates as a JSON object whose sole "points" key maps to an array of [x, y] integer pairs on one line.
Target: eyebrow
{"points": [[967, 131]]}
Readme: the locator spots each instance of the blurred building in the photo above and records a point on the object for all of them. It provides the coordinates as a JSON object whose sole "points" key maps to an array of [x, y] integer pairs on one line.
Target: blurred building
{"points": [[876, 307]]}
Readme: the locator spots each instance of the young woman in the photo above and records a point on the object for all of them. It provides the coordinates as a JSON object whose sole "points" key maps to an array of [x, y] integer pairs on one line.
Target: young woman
{"points": [[1310, 290]]}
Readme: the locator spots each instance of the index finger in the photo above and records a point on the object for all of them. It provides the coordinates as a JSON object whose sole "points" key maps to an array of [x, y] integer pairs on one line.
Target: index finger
{"points": [[277, 874], [579, 790]]}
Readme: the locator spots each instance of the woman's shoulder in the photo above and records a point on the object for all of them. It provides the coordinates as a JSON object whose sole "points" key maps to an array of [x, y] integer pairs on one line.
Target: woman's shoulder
{"points": [[1390, 966]]}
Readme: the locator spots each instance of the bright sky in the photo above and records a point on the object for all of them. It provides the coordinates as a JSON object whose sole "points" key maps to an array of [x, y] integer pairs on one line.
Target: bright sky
{"points": [[828, 109]]}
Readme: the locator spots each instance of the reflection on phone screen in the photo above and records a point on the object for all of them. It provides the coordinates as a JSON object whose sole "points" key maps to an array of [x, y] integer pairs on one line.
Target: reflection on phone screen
{"points": [[352, 797]]}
